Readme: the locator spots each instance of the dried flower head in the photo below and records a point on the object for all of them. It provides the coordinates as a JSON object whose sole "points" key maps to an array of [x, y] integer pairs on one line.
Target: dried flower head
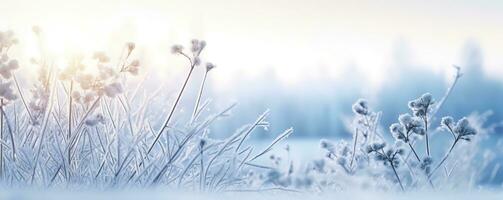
{"points": [[209, 66], [407, 126], [361, 107], [202, 143], [447, 122], [175, 49], [101, 57], [133, 68], [7, 39], [422, 106], [464, 129], [376, 146], [425, 164], [113, 89], [130, 46], [6, 68], [6, 92], [327, 145], [197, 46]]}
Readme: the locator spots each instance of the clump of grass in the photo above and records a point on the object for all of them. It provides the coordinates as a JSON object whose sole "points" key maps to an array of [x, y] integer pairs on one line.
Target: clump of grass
{"points": [[389, 157], [82, 126]]}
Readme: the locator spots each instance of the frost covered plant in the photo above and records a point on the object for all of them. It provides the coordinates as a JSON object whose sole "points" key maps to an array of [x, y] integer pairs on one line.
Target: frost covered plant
{"points": [[425, 165], [365, 124], [7, 40], [421, 108], [7, 94], [340, 153], [408, 128], [329, 147], [388, 156], [361, 107], [133, 66], [7, 66], [406, 132], [194, 60], [461, 130], [83, 127]]}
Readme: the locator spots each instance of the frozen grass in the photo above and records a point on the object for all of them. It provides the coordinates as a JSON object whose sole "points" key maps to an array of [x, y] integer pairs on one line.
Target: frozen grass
{"points": [[88, 127]]}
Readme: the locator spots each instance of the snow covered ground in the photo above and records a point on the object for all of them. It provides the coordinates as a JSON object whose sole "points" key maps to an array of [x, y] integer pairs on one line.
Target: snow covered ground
{"points": [[262, 195]]}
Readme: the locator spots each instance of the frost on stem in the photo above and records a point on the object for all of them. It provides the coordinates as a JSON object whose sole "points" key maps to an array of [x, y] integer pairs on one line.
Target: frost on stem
{"points": [[388, 156], [461, 130], [421, 108]]}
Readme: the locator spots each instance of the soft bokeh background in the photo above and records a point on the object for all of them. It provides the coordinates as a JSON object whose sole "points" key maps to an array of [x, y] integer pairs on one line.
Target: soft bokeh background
{"points": [[305, 60]]}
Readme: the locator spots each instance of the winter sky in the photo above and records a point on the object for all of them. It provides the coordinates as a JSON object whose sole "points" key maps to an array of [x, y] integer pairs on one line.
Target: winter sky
{"points": [[295, 38]]}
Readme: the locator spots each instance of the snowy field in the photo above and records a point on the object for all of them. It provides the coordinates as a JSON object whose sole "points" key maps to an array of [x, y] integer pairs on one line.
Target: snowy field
{"points": [[265, 195], [265, 99]]}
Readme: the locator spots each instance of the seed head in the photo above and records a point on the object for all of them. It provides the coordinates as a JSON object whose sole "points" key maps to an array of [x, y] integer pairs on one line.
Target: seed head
{"points": [[209, 66], [130, 46], [175, 49], [360, 107]]}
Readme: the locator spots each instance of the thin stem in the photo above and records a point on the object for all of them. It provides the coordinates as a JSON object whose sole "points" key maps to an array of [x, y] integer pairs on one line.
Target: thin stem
{"points": [[10, 133], [448, 92], [69, 135], [166, 122], [397, 177], [202, 182], [354, 150], [426, 135], [196, 108], [414, 151], [445, 157], [22, 97]]}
